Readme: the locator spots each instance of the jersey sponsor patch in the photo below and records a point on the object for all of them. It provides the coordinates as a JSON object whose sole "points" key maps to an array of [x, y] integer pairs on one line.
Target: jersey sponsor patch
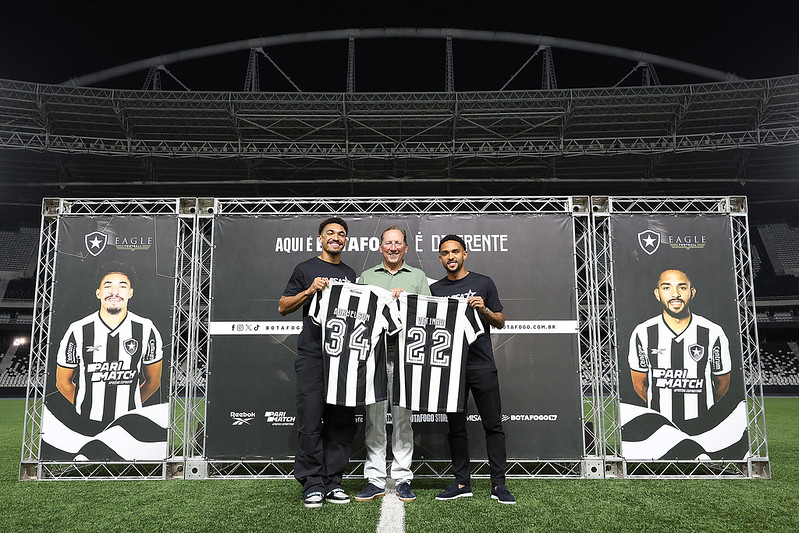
{"points": [[70, 353], [152, 351], [677, 380], [716, 359], [643, 362]]}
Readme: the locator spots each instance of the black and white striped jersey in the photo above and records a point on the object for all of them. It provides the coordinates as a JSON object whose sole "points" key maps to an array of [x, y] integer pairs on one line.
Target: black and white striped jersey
{"points": [[432, 350], [680, 367], [109, 363], [354, 320]]}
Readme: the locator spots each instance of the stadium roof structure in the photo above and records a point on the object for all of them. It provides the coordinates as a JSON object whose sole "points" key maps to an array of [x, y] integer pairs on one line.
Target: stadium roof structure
{"points": [[724, 137]]}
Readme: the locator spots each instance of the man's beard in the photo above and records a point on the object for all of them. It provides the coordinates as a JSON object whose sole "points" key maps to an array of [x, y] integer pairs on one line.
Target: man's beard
{"points": [[331, 251], [114, 310], [685, 312]]}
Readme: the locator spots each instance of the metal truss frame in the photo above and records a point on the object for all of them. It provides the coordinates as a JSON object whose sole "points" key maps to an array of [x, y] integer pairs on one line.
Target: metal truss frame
{"points": [[198, 467], [199, 351], [598, 363], [607, 346], [431, 205], [590, 371], [40, 333], [325, 126], [31, 465], [182, 379], [744, 135]]}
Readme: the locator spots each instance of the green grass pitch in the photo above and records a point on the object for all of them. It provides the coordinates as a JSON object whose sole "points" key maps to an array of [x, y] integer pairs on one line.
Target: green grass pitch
{"points": [[275, 505]]}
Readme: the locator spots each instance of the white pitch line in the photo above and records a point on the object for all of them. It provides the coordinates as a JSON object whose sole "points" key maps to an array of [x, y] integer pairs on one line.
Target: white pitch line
{"points": [[392, 511]]}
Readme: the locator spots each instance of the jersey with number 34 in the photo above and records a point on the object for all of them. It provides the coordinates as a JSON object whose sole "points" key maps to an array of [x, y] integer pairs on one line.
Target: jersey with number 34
{"points": [[354, 321]]}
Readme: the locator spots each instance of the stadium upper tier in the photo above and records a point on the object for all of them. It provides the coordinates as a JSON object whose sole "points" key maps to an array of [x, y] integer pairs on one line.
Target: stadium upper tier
{"points": [[733, 137]]}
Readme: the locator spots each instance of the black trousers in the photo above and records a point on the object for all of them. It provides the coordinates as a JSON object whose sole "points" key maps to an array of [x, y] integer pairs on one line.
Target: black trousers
{"points": [[484, 386], [324, 432]]}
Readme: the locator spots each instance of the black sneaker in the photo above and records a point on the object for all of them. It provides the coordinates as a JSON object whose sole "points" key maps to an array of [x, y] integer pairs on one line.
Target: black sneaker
{"points": [[453, 491], [314, 499], [370, 492], [337, 496], [404, 492], [502, 495]]}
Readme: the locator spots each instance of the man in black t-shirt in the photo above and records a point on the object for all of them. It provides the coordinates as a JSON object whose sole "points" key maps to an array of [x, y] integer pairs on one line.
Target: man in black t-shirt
{"points": [[324, 432], [481, 373]]}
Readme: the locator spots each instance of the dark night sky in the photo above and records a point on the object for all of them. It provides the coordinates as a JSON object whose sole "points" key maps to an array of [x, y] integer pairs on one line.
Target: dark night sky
{"points": [[52, 44]]}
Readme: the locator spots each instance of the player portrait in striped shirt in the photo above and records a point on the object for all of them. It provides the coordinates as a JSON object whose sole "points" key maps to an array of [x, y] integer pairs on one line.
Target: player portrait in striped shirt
{"points": [[679, 361], [110, 361], [108, 364], [680, 369]]}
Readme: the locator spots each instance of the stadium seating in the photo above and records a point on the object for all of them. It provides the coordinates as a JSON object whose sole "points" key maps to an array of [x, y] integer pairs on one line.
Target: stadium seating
{"points": [[15, 361], [779, 363], [18, 249], [20, 289], [783, 243], [768, 283], [756, 261], [23, 319]]}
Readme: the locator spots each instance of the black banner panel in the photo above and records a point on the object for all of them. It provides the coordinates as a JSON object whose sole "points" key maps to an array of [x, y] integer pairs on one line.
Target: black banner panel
{"points": [[107, 388], [250, 404], [679, 346]]}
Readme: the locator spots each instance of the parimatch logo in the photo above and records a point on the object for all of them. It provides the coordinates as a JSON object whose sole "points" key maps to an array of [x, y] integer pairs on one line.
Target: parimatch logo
{"points": [[111, 372], [279, 418], [678, 380]]}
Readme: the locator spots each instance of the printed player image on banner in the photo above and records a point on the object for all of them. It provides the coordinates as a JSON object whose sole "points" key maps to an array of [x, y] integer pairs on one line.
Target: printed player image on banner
{"points": [[679, 355], [251, 405], [107, 389]]}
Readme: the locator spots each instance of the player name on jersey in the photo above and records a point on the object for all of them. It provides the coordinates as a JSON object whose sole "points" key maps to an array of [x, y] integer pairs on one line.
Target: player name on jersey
{"points": [[354, 320], [432, 352]]}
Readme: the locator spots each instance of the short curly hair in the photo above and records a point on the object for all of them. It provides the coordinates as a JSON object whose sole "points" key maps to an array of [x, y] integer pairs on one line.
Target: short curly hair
{"points": [[333, 220], [452, 237], [115, 266]]}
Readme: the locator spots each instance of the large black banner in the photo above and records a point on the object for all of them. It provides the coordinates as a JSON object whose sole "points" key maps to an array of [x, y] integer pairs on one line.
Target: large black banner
{"points": [[251, 406], [679, 353], [107, 388]]}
